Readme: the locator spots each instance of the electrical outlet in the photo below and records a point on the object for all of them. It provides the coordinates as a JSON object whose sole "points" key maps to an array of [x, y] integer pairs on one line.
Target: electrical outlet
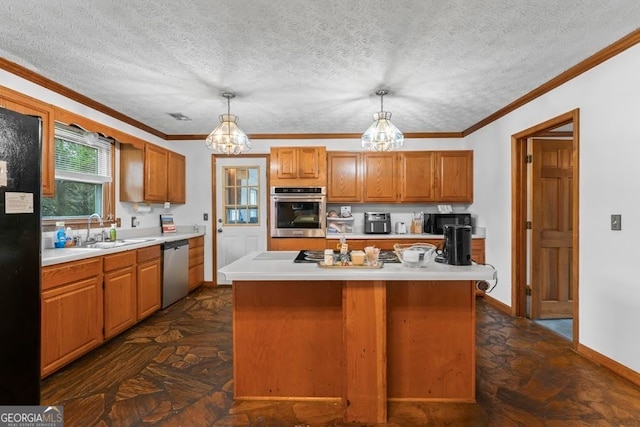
{"points": [[205, 217], [134, 222], [118, 222], [616, 222]]}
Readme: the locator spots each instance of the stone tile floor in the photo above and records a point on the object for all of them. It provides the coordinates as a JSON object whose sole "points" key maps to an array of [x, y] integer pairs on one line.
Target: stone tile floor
{"points": [[175, 369]]}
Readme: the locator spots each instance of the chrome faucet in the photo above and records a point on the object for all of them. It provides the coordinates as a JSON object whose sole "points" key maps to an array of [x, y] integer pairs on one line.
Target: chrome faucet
{"points": [[93, 215]]}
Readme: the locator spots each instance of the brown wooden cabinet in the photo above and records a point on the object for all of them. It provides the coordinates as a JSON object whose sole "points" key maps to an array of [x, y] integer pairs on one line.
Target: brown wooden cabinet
{"points": [[402, 177], [23, 104], [155, 173], [149, 281], [296, 244], [176, 178], [380, 177], [151, 174], [196, 262], [71, 312], [298, 166], [454, 176], [344, 176], [120, 292]]}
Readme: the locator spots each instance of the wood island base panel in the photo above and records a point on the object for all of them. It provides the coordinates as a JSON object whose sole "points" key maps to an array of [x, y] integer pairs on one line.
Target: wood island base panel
{"points": [[360, 342]]}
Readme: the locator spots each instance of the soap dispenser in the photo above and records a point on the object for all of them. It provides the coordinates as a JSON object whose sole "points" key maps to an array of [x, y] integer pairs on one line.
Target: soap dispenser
{"points": [[112, 233]]}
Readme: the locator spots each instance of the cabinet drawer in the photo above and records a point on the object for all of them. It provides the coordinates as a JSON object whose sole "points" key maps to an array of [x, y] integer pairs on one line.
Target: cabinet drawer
{"points": [[196, 256], [119, 260], [68, 272], [146, 254], [196, 242]]}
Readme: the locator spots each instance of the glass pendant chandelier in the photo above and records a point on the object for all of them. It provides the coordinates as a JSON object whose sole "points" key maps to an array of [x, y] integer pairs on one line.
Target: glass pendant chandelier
{"points": [[382, 135], [227, 137]]}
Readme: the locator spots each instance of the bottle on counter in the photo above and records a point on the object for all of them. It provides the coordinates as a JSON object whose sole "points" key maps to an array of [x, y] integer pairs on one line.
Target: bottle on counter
{"points": [[112, 233], [60, 236]]}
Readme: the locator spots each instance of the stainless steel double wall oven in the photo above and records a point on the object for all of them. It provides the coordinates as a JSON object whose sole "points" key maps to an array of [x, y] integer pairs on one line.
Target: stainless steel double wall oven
{"points": [[298, 211]]}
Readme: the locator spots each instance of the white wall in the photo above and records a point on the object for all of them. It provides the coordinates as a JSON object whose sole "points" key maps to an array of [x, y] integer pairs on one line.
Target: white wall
{"points": [[609, 102]]}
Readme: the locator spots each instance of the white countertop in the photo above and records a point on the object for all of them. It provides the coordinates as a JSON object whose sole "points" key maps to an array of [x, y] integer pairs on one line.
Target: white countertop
{"points": [[279, 265], [57, 256]]}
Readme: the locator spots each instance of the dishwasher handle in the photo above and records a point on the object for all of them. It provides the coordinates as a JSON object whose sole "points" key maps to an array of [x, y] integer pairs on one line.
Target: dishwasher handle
{"points": [[175, 244]]}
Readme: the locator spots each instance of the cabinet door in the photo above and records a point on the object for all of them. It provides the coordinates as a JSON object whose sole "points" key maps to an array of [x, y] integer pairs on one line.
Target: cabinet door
{"points": [[296, 244], [148, 290], [455, 176], [120, 309], [29, 106], [287, 162], [417, 172], [380, 177], [477, 251], [345, 177], [196, 262], [176, 170], [71, 322], [155, 173], [308, 162]]}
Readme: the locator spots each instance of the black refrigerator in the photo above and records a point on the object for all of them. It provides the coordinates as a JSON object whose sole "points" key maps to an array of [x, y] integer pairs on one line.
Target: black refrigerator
{"points": [[20, 251]]}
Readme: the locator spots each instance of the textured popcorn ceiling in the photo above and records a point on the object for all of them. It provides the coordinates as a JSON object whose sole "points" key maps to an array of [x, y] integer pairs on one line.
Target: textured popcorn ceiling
{"points": [[308, 66]]}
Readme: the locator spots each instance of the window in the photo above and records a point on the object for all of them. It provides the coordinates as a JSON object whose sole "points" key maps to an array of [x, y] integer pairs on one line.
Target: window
{"points": [[83, 175], [241, 195]]}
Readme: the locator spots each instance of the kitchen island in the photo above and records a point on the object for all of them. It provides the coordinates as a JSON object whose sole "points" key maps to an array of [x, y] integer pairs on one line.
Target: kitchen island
{"points": [[358, 336]]}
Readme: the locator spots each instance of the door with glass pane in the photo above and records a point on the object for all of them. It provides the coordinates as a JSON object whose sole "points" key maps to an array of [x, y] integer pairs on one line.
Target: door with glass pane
{"points": [[241, 209]]}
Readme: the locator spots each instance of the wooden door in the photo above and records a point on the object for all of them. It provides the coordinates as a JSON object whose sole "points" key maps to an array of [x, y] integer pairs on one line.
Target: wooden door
{"points": [[551, 233], [345, 177], [71, 322], [286, 160], [149, 288], [455, 176], [120, 310], [417, 172], [308, 162], [380, 177], [176, 170], [155, 173]]}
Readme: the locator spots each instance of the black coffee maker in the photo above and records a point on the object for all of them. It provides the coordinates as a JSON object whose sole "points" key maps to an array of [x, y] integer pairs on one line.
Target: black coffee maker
{"points": [[457, 245]]}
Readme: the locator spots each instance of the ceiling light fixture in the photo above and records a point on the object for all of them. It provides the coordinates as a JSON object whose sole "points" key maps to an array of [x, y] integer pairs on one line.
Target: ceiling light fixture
{"points": [[227, 138], [382, 135]]}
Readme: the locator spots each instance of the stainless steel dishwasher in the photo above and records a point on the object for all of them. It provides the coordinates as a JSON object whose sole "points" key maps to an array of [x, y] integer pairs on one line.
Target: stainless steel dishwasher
{"points": [[175, 271]]}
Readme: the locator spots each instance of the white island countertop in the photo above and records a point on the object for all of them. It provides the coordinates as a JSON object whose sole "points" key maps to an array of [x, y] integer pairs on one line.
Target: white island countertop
{"points": [[279, 266]]}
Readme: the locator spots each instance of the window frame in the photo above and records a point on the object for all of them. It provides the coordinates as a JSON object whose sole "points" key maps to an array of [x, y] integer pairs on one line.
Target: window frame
{"points": [[107, 215]]}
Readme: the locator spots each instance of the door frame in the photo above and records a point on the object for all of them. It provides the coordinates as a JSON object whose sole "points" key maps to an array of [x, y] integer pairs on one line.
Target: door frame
{"points": [[519, 198], [214, 233]]}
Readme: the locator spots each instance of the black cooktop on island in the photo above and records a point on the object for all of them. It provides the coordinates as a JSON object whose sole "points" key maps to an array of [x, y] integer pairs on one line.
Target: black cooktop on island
{"points": [[386, 255]]}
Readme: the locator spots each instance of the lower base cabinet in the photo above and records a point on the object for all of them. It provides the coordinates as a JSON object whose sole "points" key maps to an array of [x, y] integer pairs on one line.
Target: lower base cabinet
{"points": [[120, 291], [196, 262], [149, 278], [71, 312], [84, 303]]}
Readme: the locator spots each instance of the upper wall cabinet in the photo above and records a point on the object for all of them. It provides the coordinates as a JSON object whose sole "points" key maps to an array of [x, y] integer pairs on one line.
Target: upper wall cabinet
{"points": [[298, 166], [25, 105], [402, 177], [151, 174]]}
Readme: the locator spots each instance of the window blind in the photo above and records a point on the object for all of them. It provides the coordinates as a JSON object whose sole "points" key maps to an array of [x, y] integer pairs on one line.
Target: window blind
{"points": [[82, 156]]}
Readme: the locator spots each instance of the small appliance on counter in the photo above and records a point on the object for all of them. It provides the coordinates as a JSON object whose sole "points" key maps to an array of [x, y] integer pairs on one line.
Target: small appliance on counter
{"points": [[434, 222], [457, 245], [401, 228], [377, 223]]}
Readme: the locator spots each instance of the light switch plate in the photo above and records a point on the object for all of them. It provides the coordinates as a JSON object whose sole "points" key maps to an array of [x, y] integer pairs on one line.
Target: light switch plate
{"points": [[616, 222], [205, 217]]}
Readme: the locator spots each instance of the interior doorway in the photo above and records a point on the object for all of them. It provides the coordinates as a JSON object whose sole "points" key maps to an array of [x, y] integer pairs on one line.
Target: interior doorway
{"points": [[545, 220]]}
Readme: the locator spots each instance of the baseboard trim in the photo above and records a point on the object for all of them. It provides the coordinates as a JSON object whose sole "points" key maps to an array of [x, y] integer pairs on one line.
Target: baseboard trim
{"points": [[612, 365], [209, 284], [497, 304]]}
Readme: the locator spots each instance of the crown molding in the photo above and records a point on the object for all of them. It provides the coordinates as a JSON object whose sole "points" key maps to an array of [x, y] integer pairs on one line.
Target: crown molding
{"points": [[594, 60]]}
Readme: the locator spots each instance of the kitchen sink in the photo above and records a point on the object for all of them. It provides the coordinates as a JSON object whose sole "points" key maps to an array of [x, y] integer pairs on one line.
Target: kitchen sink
{"points": [[109, 244]]}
